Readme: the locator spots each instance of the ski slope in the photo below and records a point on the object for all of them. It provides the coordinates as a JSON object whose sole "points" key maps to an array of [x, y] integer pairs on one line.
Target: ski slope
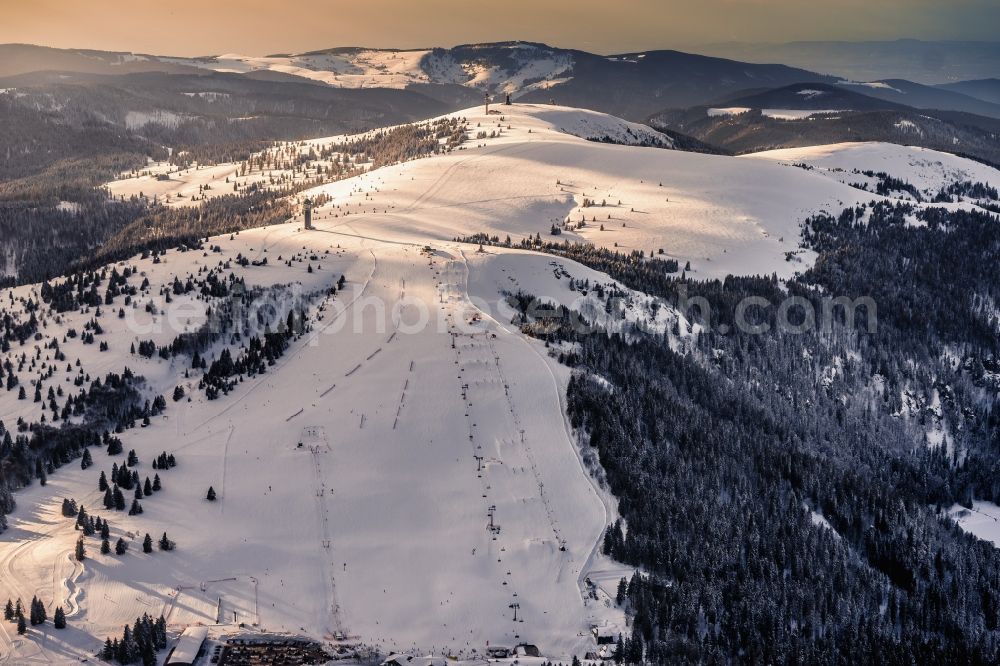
{"points": [[412, 426]]}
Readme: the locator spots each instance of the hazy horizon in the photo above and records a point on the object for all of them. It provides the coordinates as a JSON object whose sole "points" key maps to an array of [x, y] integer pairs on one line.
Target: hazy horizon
{"points": [[693, 47], [255, 27]]}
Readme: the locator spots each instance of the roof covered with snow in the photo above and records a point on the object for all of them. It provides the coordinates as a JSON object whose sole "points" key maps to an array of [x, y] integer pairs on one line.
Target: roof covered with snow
{"points": [[186, 650]]}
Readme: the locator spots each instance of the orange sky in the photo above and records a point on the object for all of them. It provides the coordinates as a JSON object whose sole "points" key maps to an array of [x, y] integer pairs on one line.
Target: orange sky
{"points": [[256, 27]]}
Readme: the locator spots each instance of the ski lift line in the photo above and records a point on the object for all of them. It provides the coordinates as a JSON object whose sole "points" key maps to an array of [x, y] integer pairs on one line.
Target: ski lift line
{"points": [[569, 434], [325, 539], [549, 511], [353, 370], [324, 393], [294, 415], [225, 465], [492, 528]]}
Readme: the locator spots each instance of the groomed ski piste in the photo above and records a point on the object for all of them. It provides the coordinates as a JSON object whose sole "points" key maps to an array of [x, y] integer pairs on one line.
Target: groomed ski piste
{"points": [[403, 477]]}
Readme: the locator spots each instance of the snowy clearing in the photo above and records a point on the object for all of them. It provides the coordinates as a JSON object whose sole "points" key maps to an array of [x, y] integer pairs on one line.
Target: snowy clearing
{"points": [[799, 114], [728, 111], [982, 520]]}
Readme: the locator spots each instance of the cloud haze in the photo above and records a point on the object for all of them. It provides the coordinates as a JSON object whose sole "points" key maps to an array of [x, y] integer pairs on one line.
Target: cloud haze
{"points": [[257, 27]]}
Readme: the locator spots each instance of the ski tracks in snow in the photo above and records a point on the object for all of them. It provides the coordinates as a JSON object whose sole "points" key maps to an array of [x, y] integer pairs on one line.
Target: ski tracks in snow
{"points": [[609, 511]]}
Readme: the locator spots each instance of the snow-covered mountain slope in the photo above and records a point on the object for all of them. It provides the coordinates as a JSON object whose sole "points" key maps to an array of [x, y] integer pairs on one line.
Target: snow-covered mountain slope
{"points": [[523, 66], [437, 489], [527, 169], [357, 478], [722, 214], [642, 83], [596, 126], [341, 68], [927, 170]]}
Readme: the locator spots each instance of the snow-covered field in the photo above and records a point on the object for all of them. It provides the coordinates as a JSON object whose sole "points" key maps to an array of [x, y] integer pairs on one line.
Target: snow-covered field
{"points": [[927, 170], [182, 187], [424, 416]]}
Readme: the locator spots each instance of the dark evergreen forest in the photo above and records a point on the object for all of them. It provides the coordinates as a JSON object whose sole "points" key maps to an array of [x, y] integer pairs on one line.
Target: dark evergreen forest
{"points": [[724, 454]]}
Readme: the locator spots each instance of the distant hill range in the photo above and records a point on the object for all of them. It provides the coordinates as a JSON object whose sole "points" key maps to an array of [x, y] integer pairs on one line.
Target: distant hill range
{"points": [[69, 127], [987, 90], [631, 85], [949, 98], [891, 94], [804, 114], [745, 130], [809, 96], [927, 62], [233, 100]]}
